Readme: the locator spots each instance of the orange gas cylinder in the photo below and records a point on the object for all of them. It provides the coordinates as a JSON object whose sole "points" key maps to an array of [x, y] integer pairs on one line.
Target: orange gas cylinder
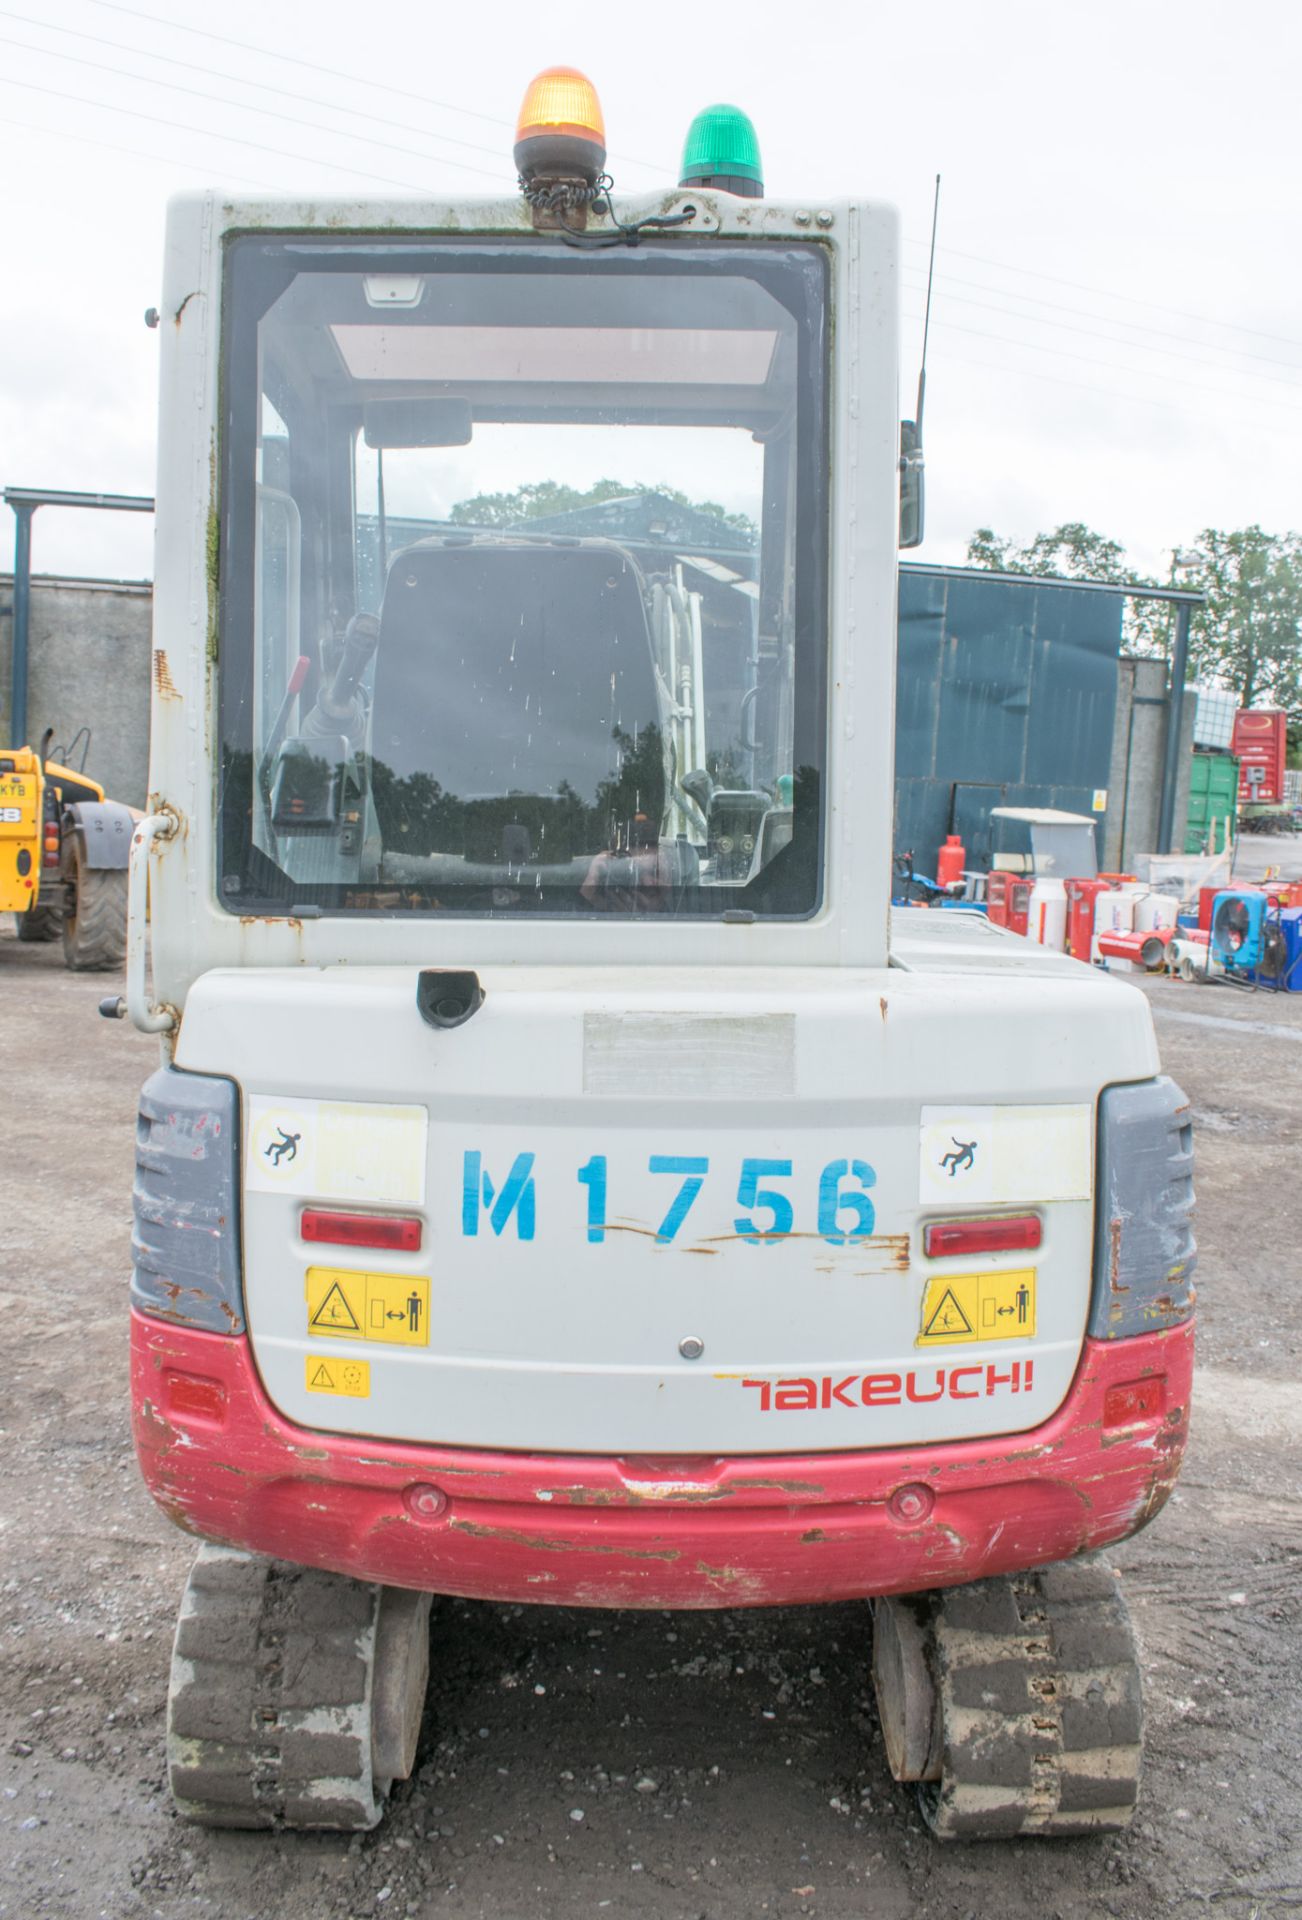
{"points": [[949, 861]]}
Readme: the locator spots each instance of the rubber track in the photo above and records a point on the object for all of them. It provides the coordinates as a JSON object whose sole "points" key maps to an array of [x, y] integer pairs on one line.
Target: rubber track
{"points": [[95, 936], [269, 1708], [1042, 1713]]}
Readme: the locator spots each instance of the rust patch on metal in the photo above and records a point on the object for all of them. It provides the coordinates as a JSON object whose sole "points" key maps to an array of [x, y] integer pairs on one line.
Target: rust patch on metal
{"points": [[540, 1543], [740, 1580], [164, 685], [894, 1247], [781, 1486], [675, 1493], [811, 1538], [1114, 1268], [882, 1003], [176, 317]]}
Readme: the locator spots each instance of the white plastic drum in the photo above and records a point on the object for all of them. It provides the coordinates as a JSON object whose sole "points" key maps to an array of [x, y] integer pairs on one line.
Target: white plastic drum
{"points": [[1046, 919], [1155, 910], [1114, 912]]}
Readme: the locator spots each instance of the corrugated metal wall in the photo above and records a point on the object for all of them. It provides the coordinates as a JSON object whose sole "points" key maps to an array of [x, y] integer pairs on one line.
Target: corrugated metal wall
{"points": [[1007, 695]]}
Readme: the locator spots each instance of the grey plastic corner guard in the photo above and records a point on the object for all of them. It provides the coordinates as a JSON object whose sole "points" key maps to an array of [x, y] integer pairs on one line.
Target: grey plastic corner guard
{"points": [[1144, 1247], [186, 1241], [105, 827]]}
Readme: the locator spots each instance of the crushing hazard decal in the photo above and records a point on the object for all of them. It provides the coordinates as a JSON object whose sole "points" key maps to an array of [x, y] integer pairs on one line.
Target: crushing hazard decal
{"points": [[976, 1307], [390, 1307]]}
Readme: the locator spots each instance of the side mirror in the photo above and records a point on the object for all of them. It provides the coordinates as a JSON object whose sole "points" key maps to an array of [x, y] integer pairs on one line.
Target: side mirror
{"points": [[912, 486]]}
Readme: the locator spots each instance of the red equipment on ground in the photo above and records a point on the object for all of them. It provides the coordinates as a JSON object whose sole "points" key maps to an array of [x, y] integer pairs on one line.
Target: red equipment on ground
{"points": [[1081, 896], [1146, 949], [1260, 744], [1008, 900]]}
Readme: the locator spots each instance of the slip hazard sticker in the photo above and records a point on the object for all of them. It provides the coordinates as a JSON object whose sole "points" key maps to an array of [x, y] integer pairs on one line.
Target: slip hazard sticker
{"points": [[336, 1150], [352, 1378], [391, 1307], [976, 1307]]}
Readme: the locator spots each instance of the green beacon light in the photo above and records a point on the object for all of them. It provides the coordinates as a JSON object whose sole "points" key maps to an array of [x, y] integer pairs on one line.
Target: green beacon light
{"points": [[722, 151]]}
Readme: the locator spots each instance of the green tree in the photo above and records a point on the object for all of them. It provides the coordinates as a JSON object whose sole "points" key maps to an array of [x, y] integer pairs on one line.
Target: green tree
{"points": [[545, 497], [1074, 551], [531, 502], [1249, 635]]}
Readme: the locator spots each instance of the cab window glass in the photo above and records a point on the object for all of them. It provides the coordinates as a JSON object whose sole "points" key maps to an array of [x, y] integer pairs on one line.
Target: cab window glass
{"points": [[523, 581]]}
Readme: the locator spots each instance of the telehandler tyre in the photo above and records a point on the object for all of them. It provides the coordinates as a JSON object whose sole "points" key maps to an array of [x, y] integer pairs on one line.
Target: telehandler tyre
{"points": [[1014, 1703], [295, 1696], [38, 923], [95, 915]]}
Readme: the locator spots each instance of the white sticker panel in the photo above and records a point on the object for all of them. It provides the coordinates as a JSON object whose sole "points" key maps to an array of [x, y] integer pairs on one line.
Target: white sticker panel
{"points": [[337, 1150], [986, 1156]]}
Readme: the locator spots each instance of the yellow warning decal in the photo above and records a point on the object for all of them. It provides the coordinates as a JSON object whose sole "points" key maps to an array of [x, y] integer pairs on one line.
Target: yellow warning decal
{"points": [[391, 1307], [975, 1307], [349, 1377]]}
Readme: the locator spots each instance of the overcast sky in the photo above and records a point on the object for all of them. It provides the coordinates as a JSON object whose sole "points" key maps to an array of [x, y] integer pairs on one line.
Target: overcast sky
{"points": [[1117, 320]]}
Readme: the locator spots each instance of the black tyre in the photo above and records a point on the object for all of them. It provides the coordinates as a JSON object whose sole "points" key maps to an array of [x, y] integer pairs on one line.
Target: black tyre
{"points": [[95, 916], [41, 922]]}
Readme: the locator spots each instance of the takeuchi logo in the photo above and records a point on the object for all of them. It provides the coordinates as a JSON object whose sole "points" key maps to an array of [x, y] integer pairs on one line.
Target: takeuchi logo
{"points": [[820, 1393]]}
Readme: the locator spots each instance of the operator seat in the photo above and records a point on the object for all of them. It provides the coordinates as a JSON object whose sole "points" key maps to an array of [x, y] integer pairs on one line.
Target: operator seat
{"points": [[518, 676]]}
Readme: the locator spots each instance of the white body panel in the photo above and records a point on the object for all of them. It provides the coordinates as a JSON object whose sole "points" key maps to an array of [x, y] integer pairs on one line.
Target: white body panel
{"points": [[543, 1338]]}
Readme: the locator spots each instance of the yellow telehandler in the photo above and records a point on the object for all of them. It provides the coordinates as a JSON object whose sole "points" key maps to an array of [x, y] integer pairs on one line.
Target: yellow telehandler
{"points": [[63, 858]]}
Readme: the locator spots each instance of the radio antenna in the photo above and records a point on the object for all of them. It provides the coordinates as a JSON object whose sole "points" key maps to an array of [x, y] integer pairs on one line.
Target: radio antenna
{"points": [[926, 324]]}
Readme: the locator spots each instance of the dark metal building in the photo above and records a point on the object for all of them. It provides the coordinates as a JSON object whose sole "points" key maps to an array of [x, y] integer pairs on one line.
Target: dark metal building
{"points": [[1006, 695]]}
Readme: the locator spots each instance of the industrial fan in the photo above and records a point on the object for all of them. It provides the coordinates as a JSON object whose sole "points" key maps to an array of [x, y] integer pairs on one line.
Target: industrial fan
{"points": [[1280, 965], [1239, 930]]}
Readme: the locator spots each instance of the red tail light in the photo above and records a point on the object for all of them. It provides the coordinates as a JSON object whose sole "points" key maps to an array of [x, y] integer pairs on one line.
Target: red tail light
{"points": [[993, 1233], [393, 1232], [1135, 1401], [195, 1397]]}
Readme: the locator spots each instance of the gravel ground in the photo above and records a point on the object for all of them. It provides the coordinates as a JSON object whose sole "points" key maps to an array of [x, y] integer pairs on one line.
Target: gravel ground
{"points": [[720, 1765]]}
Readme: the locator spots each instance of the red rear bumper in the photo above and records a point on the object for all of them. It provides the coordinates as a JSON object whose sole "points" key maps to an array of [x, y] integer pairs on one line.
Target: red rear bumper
{"points": [[582, 1530]]}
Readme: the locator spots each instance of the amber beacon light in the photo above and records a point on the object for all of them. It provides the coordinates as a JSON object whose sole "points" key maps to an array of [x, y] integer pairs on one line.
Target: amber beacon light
{"points": [[560, 134]]}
